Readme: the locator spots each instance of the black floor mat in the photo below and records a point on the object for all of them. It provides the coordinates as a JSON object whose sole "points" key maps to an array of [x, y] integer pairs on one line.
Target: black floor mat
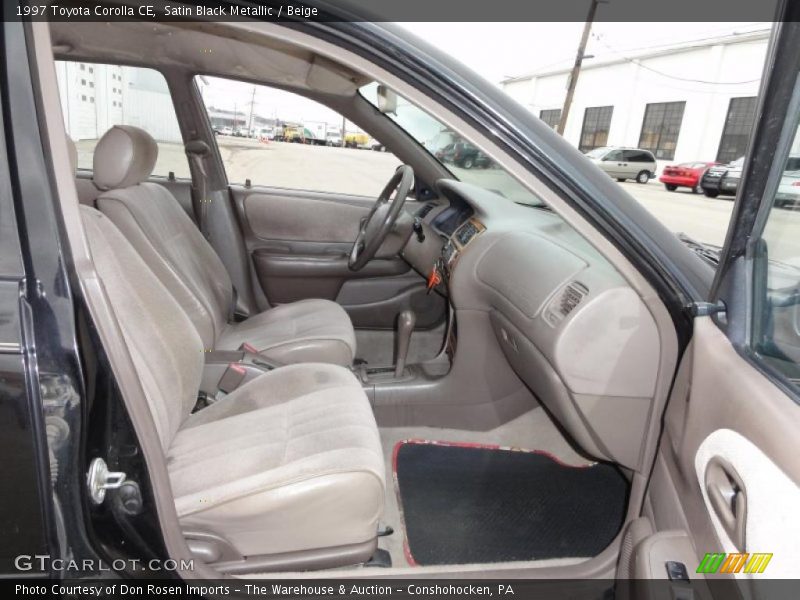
{"points": [[468, 504]]}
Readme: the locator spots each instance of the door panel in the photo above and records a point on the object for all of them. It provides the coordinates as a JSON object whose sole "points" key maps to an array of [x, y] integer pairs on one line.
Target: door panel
{"points": [[729, 448], [292, 216], [299, 242], [613, 164], [724, 410]]}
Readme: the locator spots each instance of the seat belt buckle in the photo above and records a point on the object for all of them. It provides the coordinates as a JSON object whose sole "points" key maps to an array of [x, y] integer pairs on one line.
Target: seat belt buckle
{"points": [[248, 348], [232, 378]]}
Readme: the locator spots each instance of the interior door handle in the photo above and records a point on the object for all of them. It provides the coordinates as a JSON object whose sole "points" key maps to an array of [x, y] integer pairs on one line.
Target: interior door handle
{"points": [[728, 498]]}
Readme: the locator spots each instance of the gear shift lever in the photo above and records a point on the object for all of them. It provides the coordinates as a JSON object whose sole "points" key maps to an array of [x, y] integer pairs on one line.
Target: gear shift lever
{"points": [[405, 325]]}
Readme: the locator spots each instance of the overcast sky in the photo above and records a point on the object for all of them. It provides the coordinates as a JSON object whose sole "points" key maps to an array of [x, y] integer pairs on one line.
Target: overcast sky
{"points": [[501, 50], [495, 51]]}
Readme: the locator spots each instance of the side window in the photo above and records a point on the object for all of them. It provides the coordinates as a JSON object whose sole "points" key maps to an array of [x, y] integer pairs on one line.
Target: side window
{"points": [[96, 97], [776, 318], [631, 156], [614, 155], [638, 156], [280, 139]]}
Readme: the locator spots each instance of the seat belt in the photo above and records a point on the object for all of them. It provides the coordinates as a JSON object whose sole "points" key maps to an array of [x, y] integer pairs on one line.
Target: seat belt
{"points": [[197, 151]]}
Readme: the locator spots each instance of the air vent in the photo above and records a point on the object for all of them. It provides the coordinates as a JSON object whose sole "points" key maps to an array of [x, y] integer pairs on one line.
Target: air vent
{"points": [[425, 210], [571, 297], [564, 303]]}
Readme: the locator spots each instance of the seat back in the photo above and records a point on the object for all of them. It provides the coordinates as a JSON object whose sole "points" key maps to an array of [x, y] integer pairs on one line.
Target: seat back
{"points": [[150, 217], [165, 347], [87, 191]]}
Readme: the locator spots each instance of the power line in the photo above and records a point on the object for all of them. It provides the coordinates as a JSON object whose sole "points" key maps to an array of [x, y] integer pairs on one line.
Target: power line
{"points": [[667, 75]]}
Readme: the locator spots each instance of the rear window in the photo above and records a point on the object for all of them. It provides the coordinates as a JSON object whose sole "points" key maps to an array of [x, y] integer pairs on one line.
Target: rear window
{"points": [[95, 97]]}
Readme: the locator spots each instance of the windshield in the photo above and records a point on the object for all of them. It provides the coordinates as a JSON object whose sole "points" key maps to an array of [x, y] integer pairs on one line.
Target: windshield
{"points": [[462, 159], [597, 152]]}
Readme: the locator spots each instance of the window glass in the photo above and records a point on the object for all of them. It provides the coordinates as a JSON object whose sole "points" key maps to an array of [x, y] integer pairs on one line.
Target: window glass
{"points": [[736, 132], [597, 152], [280, 139], [638, 156], [776, 320], [97, 97], [660, 128], [596, 123], [614, 155], [551, 116], [465, 161]]}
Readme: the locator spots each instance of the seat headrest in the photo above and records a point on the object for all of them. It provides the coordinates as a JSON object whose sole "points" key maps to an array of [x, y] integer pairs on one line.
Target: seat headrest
{"points": [[124, 156], [72, 151]]}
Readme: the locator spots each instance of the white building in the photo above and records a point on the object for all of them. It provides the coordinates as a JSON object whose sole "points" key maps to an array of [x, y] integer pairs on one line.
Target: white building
{"points": [[688, 102], [94, 97]]}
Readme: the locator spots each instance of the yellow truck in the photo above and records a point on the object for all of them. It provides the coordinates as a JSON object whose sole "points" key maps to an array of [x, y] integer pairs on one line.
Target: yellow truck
{"points": [[356, 140]]}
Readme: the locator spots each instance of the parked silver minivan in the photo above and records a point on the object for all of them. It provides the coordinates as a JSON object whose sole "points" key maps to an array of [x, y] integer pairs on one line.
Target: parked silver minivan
{"points": [[625, 163]]}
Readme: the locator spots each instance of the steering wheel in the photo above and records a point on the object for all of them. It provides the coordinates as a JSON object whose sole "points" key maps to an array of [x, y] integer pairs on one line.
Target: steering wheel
{"points": [[381, 218]]}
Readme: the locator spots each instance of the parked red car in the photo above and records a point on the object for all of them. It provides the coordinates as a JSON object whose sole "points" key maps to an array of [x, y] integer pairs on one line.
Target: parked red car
{"points": [[685, 175]]}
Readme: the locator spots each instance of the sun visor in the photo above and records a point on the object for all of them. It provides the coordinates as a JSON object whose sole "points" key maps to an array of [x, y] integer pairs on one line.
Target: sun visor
{"points": [[329, 77]]}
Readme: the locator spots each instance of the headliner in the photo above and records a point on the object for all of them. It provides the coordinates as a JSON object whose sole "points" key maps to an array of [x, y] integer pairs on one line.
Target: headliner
{"points": [[204, 48]]}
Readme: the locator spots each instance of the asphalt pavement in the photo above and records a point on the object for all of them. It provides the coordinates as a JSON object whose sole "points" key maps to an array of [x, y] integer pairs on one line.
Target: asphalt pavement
{"points": [[365, 172]]}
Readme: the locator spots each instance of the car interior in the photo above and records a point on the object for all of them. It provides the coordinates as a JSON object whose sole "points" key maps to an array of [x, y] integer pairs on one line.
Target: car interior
{"points": [[254, 326], [439, 379]]}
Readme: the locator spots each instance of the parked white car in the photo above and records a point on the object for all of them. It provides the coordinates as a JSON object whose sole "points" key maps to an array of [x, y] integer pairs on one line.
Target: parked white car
{"points": [[789, 189], [625, 163]]}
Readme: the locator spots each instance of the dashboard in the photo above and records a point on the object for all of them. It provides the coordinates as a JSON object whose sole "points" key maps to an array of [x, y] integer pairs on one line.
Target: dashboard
{"points": [[567, 322]]}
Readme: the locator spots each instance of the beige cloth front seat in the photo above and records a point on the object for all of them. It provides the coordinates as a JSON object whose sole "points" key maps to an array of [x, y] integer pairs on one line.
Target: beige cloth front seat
{"points": [[87, 192], [288, 465], [150, 217]]}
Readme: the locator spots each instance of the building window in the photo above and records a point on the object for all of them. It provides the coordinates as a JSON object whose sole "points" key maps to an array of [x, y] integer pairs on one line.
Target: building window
{"points": [[736, 133], [91, 99], [91, 69], [83, 82], [596, 123], [83, 67], [660, 128], [551, 116], [91, 84], [83, 97]]}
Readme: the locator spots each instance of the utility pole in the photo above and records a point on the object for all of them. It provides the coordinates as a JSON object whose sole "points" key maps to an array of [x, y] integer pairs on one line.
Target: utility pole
{"points": [[250, 118], [576, 68], [344, 131]]}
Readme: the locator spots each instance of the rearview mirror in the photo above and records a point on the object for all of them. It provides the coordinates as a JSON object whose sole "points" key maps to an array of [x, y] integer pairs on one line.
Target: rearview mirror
{"points": [[387, 100]]}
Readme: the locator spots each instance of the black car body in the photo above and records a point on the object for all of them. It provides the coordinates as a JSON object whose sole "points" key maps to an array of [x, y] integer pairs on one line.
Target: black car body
{"points": [[722, 179], [464, 155]]}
